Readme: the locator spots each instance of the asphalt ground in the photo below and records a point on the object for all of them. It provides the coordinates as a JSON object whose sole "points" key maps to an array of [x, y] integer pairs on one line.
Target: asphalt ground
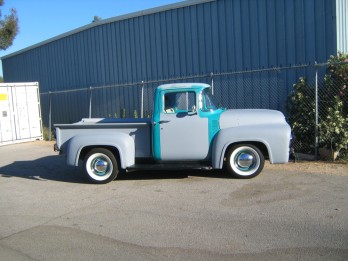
{"points": [[49, 211]]}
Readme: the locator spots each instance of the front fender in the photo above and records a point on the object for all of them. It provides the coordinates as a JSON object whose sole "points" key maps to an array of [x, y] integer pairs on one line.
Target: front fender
{"points": [[120, 141], [276, 138]]}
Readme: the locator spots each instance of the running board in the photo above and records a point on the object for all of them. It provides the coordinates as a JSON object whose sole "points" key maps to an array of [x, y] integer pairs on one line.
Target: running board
{"points": [[169, 166]]}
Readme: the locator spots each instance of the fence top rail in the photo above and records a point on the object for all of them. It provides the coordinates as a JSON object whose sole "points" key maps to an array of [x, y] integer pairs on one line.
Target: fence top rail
{"points": [[326, 63]]}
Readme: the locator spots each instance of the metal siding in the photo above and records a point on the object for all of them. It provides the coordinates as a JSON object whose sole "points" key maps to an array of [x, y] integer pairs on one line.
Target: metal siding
{"points": [[263, 34], [128, 56], [108, 47], [164, 45], [330, 26], [215, 41], [113, 66], [320, 20], [272, 32], [61, 66], [202, 31], [238, 35], [280, 33], [134, 51], [92, 54], [342, 25], [217, 36], [226, 36], [309, 23], [246, 39], [254, 35], [142, 56], [157, 45], [195, 51], [181, 41], [154, 47], [299, 31], [175, 37], [147, 48], [290, 31], [117, 61]]}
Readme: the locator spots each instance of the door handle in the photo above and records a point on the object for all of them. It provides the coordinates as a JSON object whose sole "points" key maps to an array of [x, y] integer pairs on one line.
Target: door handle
{"points": [[160, 122]]}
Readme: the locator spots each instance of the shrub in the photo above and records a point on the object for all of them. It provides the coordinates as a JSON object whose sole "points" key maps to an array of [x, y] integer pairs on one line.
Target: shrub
{"points": [[46, 133], [333, 109], [301, 111], [334, 127]]}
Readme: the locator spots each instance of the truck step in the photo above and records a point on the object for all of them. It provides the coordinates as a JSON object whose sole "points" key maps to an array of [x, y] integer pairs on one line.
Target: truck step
{"points": [[170, 166]]}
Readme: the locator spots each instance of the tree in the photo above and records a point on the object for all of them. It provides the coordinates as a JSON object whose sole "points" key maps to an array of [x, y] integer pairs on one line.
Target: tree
{"points": [[95, 18], [8, 28]]}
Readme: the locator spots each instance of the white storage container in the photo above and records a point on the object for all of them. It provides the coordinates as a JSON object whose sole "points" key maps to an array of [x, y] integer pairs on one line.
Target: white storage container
{"points": [[20, 113]]}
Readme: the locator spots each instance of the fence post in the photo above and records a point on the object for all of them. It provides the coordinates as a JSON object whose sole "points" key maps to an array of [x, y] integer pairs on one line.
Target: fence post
{"points": [[50, 116], [212, 83], [316, 145], [142, 100], [90, 102]]}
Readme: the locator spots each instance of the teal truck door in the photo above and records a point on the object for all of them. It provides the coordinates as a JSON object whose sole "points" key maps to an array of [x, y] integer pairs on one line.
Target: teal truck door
{"points": [[183, 134]]}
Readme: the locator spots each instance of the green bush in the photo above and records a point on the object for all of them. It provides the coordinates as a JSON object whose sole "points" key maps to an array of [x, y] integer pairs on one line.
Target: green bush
{"points": [[333, 109], [301, 111], [334, 106], [334, 127], [135, 114], [46, 133]]}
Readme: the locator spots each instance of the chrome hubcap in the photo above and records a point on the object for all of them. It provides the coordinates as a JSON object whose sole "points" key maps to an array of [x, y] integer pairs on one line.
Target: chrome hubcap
{"points": [[100, 166], [245, 160]]}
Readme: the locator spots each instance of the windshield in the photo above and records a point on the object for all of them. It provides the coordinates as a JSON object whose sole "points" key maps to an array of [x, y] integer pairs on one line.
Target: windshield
{"points": [[207, 101]]}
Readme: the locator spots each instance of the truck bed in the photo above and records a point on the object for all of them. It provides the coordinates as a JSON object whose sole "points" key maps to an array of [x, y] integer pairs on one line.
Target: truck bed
{"points": [[138, 129]]}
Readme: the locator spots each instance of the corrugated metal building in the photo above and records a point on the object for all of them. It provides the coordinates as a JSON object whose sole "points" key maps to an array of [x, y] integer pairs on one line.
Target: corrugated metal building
{"points": [[342, 25], [188, 38]]}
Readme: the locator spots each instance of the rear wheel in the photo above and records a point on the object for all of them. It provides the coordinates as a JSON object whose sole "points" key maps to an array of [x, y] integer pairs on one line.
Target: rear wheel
{"points": [[101, 166], [244, 161]]}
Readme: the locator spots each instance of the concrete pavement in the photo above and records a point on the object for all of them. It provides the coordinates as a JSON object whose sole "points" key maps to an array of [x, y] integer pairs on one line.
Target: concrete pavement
{"points": [[50, 212]]}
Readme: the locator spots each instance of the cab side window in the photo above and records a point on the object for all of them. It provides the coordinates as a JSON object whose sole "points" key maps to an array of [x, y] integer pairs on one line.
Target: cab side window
{"points": [[175, 102]]}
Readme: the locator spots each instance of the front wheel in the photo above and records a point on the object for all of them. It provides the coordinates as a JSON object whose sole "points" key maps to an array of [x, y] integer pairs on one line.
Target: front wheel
{"points": [[101, 166], [244, 161]]}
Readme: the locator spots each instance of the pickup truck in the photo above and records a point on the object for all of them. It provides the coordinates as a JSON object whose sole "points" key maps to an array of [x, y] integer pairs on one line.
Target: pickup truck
{"points": [[187, 131]]}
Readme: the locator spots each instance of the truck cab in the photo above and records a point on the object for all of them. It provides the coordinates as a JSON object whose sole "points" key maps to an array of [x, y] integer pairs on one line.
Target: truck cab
{"points": [[186, 119]]}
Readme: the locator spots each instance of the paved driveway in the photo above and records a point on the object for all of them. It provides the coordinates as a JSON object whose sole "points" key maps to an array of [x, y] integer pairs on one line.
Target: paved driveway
{"points": [[48, 211]]}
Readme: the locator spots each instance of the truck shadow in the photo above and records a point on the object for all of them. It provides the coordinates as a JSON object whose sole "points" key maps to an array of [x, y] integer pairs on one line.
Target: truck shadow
{"points": [[42, 169], [171, 174], [54, 168]]}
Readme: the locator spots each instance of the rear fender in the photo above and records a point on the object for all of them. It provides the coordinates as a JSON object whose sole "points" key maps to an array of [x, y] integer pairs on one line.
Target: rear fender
{"points": [[122, 142]]}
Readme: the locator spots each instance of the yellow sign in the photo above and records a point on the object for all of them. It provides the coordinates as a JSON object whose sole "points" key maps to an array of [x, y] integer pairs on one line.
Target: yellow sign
{"points": [[3, 97]]}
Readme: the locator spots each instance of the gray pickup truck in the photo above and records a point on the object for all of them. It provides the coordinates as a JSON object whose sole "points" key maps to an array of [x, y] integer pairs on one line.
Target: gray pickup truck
{"points": [[188, 130]]}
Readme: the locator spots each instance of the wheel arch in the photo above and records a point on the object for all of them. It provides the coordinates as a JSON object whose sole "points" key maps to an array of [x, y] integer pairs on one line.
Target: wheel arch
{"points": [[260, 145], [220, 158], [120, 144]]}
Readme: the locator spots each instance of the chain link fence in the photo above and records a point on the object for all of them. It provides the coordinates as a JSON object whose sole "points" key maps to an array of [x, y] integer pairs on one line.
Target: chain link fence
{"points": [[303, 93]]}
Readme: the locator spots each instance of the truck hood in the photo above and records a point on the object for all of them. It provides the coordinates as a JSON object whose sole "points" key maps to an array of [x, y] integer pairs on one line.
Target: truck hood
{"points": [[245, 117]]}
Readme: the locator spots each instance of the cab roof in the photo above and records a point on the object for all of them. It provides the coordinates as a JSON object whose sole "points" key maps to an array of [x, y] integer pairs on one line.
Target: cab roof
{"points": [[173, 86]]}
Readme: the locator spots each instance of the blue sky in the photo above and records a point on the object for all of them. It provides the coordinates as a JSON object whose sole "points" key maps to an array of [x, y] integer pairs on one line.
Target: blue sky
{"points": [[40, 20]]}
